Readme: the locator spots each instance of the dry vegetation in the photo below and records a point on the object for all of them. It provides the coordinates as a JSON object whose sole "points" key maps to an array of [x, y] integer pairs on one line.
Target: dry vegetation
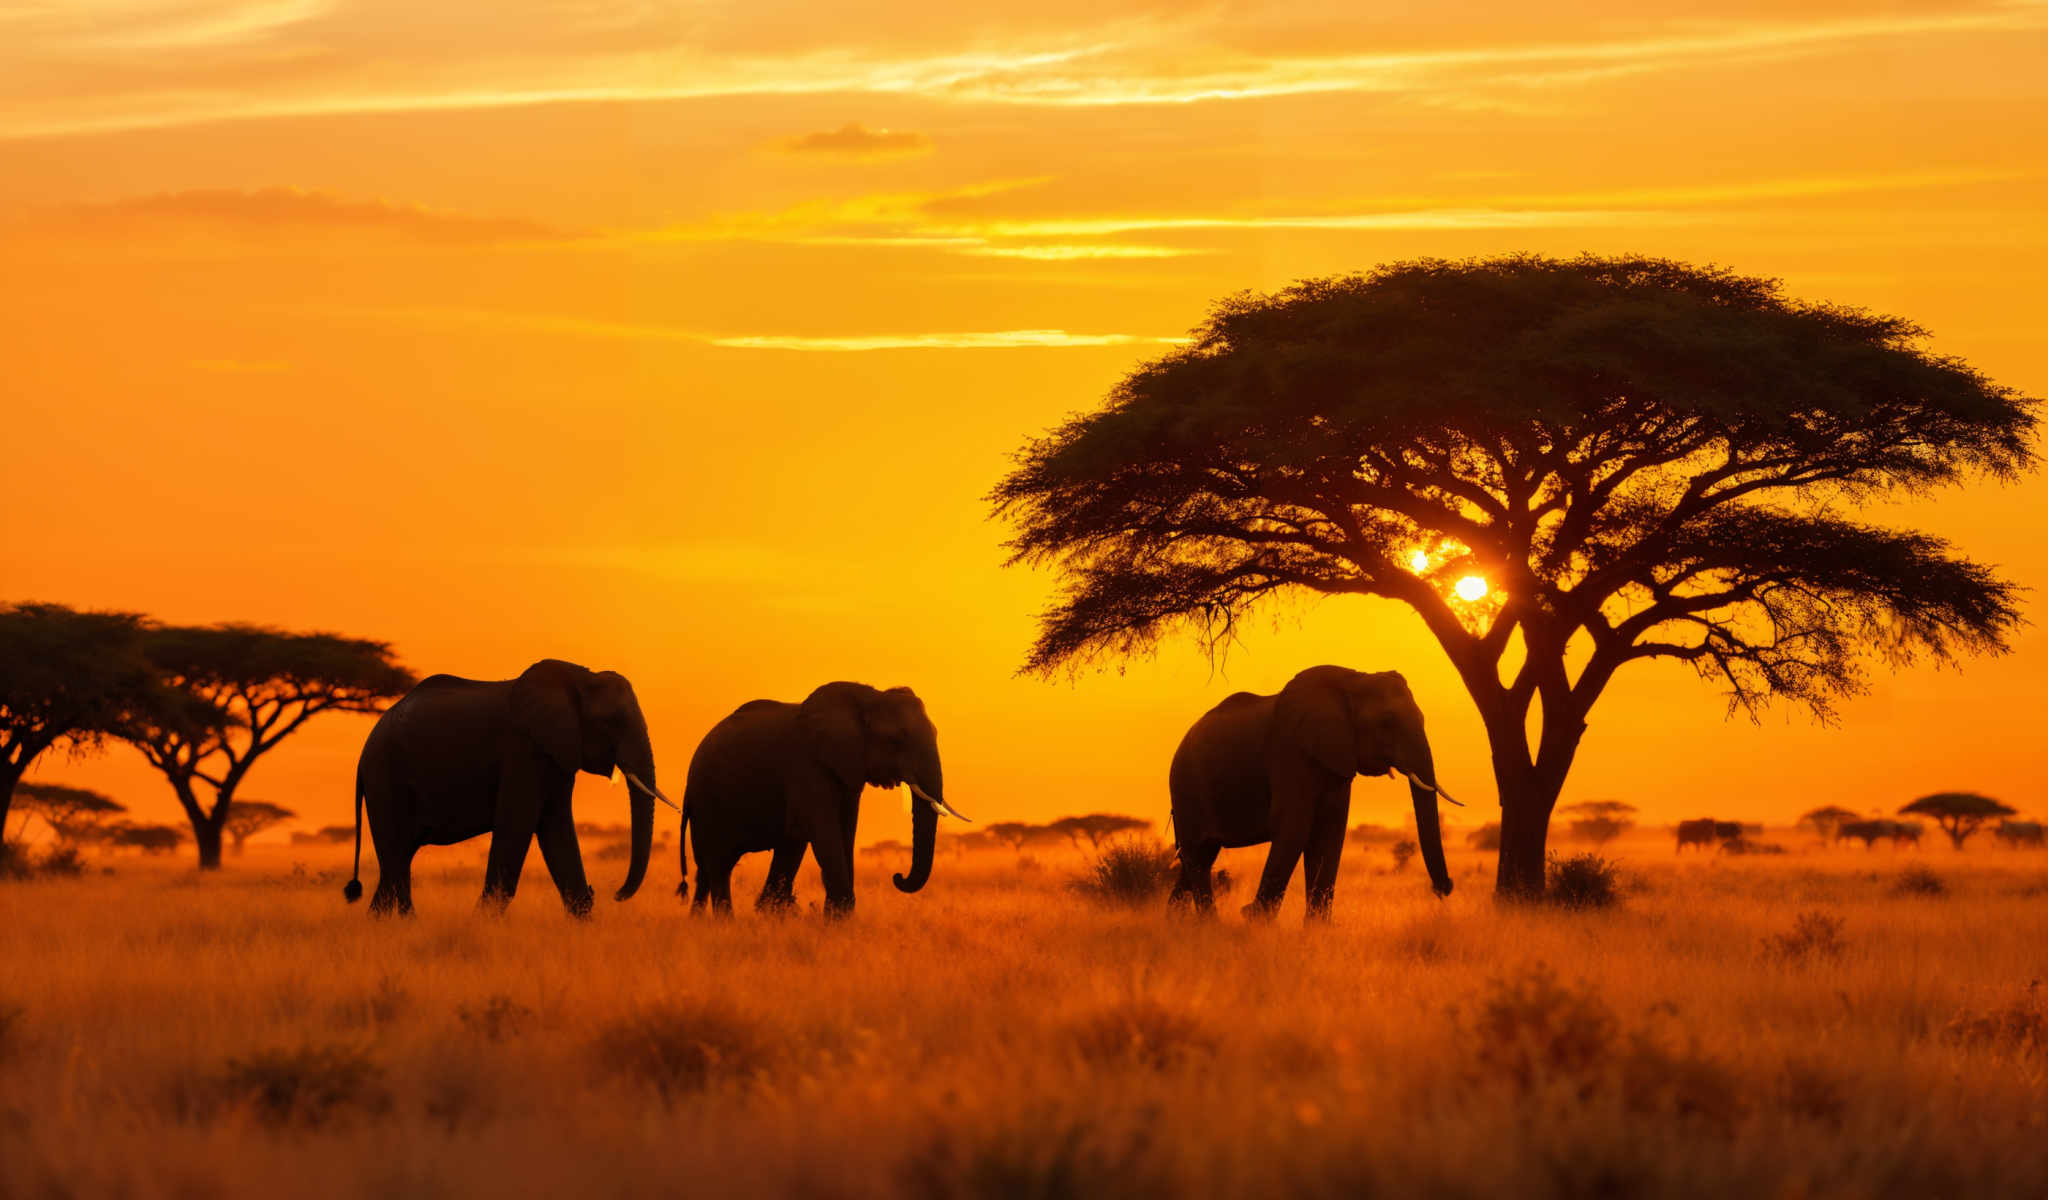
{"points": [[1816, 1025]]}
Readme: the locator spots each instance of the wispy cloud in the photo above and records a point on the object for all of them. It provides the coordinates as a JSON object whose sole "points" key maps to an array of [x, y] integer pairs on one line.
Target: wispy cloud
{"points": [[857, 141], [251, 58], [994, 339], [289, 210]]}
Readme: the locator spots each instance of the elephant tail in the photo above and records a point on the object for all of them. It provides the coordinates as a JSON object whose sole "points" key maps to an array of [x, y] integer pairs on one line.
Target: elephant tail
{"points": [[683, 848], [353, 890]]}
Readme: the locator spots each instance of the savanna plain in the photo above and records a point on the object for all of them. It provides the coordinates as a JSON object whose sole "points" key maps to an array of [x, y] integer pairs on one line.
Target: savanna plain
{"points": [[1834, 1022]]}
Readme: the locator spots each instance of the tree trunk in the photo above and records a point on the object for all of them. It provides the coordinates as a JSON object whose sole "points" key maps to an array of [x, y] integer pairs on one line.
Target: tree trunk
{"points": [[10, 774], [1526, 801], [207, 834]]}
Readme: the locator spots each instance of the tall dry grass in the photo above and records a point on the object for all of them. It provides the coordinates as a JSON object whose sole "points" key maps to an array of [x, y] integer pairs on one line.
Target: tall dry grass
{"points": [[1796, 1026]]}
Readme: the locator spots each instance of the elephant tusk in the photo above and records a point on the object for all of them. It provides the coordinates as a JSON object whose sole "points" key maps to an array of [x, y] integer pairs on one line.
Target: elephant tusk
{"points": [[1427, 787], [652, 791], [937, 803]]}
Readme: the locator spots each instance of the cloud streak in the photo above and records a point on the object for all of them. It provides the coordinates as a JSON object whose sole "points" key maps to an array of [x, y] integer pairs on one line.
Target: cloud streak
{"points": [[856, 141], [287, 211], [996, 339]]}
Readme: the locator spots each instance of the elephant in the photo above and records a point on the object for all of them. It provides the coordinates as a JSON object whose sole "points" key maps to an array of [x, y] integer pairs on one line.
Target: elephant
{"points": [[455, 758], [1278, 769], [785, 776], [2021, 833], [1706, 831]]}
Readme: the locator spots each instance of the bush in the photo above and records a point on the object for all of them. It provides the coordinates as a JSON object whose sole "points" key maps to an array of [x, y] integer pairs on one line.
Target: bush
{"points": [[681, 1049], [308, 1087], [1144, 1033], [1486, 837], [1584, 881], [1403, 851], [1128, 872], [14, 862], [1918, 880], [2020, 1027], [1815, 934]]}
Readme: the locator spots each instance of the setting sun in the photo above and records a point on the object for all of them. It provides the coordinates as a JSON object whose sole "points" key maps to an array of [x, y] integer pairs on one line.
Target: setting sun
{"points": [[1471, 587]]}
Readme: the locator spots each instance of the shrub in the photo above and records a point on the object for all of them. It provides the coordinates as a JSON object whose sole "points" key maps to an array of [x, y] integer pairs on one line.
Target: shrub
{"points": [[1532, 1029], [1584, 881], [1143, 1033], [1402, 852], [308, 1087], [1815, 934], [1128, 872], [1918, 880], [680, 1049], [1486, 837], [64, 861], [2021, 1026], [495, 1020], [14, 863]]}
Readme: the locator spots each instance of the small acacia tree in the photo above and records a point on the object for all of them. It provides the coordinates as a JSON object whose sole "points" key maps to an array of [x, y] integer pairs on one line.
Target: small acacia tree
{"points": [[1599, 462], [250, 817], [1825, 821], [259, 685], [1096, 827], [1600, 821], [66, 678], [74, 814], [1959, 814]]}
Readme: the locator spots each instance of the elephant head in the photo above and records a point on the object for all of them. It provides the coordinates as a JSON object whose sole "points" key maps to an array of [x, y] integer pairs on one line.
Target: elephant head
{"points": [[586, 720], [869, 737], [1355, 722]]}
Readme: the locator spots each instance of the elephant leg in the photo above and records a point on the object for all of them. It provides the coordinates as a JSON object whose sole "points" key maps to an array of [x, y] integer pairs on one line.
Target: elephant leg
{"points": [[564, 859], [1325, 850], [778, 891], [1290, 837], [394, 879], [522, 782], [1193, 890], [714, 882], [835, 862]]}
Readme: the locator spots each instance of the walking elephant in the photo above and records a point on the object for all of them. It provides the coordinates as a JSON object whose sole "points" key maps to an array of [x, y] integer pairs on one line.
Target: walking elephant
{"points": [[1278, 769], [455, 758], [788, 777]]}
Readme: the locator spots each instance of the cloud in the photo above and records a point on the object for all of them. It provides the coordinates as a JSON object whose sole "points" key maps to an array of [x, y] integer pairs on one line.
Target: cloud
{"points": [[66, 71], [856, 141], [288, 211], [996, 339]]}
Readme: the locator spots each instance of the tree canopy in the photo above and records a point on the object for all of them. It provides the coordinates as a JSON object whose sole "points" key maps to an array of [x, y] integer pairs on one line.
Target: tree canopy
{"points": [[1096, 826], [74, 814], [1639, 456], [1827, 820], [1959, 814], [65, 677], [262, 684], [250, 817]]}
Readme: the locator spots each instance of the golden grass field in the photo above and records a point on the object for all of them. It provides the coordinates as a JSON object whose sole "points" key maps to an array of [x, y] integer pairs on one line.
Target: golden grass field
{"points": [[250, 1035]]}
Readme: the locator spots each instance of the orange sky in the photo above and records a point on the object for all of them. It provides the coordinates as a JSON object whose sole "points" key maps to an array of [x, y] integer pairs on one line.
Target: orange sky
{"points": [[686, 342]]}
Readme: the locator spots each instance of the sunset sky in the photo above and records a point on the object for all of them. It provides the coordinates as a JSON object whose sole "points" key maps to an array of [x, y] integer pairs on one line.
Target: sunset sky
{"points": [[685, 339]]}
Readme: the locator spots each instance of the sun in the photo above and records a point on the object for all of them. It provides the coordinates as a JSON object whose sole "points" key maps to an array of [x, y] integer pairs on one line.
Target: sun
{"points": [[1418, 562], [1471, 587]]}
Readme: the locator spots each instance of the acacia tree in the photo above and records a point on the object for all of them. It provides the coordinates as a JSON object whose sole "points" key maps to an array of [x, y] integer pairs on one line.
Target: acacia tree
{"points": [[1825, 821], [74, 814], [1959, 814], [66, 677], [1639, 458], [1600, 821], [261, 685], [1095, 827], [250, 817]]}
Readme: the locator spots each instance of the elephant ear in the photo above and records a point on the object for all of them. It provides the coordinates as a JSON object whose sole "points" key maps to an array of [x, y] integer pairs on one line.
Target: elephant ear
{"points": [[1312, 717], [545, 708], [834, 719]]}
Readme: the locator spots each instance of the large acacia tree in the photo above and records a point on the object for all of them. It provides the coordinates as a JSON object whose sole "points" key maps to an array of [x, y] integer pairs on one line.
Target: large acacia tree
{"points": [[259, 686], [67, 678], [1643, 459]]}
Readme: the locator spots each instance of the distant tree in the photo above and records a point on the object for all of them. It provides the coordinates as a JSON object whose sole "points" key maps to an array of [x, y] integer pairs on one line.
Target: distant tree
{"points": [[1825, 821], [251, 817], [150, 839], [1959, 814], [885, 849], [1635, 456], [973, 839], [1015, 833], [66, 678], [1486, 837], [1368, 834], [1095, 827], [325, 835], [74, 814], [259, 686], [1600, 821]]}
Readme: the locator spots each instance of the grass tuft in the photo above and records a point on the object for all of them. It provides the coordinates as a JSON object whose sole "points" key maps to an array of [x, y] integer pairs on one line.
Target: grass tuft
{"points": [[1584, 881], [306, 1088], [1918, 880], [1128, 873], [1143, 1033], [1815, 935], [499, 1018], [2020, 1027], [680, 1049]]}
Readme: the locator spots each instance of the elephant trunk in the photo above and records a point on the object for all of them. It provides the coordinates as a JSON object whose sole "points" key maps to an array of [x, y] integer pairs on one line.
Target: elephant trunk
{"points": [[637, 759], [1428, 831], [924, 826]]}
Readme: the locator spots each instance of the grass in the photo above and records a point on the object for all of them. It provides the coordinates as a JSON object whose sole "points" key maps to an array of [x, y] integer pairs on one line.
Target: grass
{"points": [[1781, 1025]]}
